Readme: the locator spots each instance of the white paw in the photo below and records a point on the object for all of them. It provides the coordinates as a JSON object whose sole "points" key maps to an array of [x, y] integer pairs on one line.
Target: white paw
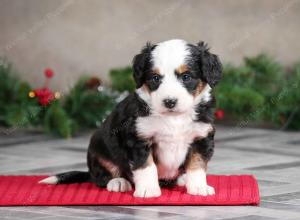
{"points": [[146, 192], [204, 190], [181, 180], [118, 185]]}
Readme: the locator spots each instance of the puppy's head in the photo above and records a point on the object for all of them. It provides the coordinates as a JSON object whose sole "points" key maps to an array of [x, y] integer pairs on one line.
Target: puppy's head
{"points": [[174, 76]]}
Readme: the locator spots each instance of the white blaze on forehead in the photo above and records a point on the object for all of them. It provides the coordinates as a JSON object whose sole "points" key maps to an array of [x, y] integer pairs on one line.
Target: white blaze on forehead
{"points": [[169, 55]]}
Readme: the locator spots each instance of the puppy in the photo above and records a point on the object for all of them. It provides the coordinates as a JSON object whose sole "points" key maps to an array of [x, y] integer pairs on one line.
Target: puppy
{"points": [[163, 132]]}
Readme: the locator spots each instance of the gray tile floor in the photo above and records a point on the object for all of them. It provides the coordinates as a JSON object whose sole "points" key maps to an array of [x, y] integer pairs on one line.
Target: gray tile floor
{"points": [[272, 156]]}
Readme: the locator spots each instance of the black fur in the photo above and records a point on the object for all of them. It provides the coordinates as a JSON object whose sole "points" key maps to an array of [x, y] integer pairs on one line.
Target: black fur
{"points": [[151, 83], [205, 111], [73, 177], [142, 64], [205, 146], [191, 84], [205, 64], [117, 141]]}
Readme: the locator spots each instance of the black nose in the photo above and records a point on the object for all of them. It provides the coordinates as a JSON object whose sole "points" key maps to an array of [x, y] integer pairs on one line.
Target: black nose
{"points": [[170, 103]]}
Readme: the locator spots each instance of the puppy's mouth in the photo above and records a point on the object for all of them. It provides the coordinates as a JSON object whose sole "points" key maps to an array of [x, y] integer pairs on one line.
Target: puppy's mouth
{"points": [[172, 112]]}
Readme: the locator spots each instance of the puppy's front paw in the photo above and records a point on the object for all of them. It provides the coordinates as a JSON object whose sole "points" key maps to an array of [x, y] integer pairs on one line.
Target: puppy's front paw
{"points": [[198, 190], [147, 191], [146, 181], [118, 185], [181, 180]]}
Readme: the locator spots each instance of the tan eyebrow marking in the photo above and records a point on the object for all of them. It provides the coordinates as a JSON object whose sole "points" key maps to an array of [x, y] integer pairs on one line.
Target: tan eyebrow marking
{"points": [[156, 71], [182, 69]]}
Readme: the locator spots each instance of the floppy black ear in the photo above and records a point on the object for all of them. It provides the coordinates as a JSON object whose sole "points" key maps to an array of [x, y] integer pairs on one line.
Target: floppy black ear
{"points": [[210, 65], [141, 63]]}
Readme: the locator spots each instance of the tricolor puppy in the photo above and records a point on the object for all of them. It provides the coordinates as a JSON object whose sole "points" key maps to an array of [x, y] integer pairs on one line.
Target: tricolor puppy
{"points": [[163, 132]]}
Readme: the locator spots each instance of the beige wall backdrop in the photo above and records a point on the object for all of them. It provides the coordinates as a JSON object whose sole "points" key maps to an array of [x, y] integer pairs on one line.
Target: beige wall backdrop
{"points": [[75, 36]]}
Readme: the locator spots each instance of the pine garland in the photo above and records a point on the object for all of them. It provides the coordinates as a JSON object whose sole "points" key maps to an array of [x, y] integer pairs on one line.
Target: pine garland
{"points": [[83, 107], [15, 107], [258, 90], [57, 121], [122, 79], [86, 105]]}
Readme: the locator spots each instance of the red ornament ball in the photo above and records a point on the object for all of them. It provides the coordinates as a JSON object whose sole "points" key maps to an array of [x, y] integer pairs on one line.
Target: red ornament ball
{"points": [[49, 73], [219, 114]]}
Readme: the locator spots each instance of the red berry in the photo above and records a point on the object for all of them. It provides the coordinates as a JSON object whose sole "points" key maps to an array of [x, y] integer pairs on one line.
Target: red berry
{"points": [[219, 114], [45, 96], [49, 73], [44, 101]]}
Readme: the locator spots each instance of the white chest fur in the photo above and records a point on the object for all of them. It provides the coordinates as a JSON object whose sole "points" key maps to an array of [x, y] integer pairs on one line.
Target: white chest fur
{"points": [[173, 135]]}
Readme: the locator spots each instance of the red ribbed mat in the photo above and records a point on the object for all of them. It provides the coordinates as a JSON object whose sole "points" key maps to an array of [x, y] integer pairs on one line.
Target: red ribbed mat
{"points": [[25, 191]]}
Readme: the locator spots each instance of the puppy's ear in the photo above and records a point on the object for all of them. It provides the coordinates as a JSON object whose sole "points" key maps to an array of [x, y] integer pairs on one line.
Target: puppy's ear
{"points": [[141, 63], [210, 65]]}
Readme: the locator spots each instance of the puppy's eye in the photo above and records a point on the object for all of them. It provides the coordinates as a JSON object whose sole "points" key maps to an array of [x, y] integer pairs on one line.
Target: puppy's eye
{"points": [[156, 78], [186, 77]]}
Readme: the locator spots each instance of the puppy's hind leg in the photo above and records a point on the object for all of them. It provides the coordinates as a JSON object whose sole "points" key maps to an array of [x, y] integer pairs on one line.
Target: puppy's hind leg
{"points": [[106, 174], [99, 174]]}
